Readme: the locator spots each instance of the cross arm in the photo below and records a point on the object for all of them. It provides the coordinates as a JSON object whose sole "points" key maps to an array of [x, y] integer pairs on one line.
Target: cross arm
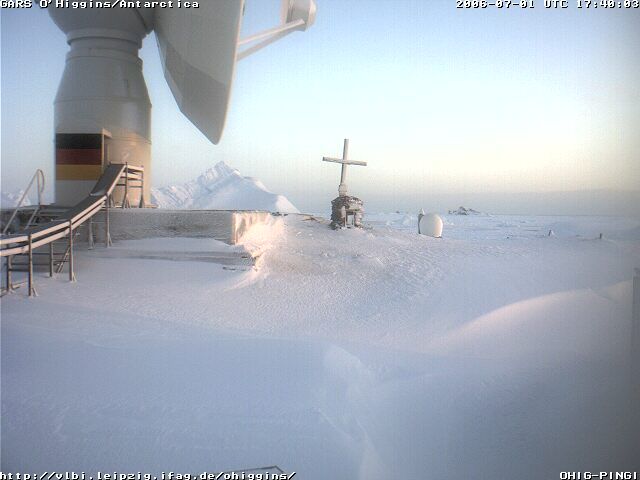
{"points": [[344, 162]]}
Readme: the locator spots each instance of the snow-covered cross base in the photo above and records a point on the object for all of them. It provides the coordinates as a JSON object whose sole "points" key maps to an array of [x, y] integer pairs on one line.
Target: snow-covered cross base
{"points": [[342, 208]]}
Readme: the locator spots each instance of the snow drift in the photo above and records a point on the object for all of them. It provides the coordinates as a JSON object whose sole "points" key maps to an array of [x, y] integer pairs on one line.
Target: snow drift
{"points": [[221, 188], [496, 352]]}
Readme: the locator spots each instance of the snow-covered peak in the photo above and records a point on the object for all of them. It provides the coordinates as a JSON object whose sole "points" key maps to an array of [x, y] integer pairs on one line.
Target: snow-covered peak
{"points": [[221, 187], [216, 173]]}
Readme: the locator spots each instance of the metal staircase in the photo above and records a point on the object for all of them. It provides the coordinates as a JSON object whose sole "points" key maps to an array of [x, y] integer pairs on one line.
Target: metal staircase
{"points": [[52, 226]]}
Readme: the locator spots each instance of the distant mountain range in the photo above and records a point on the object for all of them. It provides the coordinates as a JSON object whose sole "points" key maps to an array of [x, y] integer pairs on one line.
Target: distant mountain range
{"points": [[11, 199], [464, 211], [221, 188]]}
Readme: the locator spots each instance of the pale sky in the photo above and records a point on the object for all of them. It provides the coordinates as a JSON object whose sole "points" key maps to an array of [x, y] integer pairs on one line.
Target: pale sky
{"points": [[447, 105]]}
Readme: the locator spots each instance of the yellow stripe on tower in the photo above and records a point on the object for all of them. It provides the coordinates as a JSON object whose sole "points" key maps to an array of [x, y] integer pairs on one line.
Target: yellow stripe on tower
{"points": [[78, 172]]}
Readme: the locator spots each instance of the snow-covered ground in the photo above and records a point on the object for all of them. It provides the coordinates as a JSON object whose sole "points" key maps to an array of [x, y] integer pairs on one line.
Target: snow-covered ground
{"points": [[221, 188], [495, 352]]}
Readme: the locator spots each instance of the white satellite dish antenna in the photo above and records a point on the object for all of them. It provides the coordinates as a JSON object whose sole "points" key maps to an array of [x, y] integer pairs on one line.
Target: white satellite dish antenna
{"points": [[102, 109]]}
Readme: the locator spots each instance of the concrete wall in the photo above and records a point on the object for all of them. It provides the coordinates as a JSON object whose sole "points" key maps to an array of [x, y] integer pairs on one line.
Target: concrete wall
{"points": [[224, 225]]}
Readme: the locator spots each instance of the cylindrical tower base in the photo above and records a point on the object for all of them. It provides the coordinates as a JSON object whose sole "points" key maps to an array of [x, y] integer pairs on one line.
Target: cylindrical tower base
{"points": [[102, 111]]}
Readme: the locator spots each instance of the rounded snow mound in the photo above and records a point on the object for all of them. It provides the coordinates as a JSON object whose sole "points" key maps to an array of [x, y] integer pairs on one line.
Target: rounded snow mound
{"points": [[221, 188]]}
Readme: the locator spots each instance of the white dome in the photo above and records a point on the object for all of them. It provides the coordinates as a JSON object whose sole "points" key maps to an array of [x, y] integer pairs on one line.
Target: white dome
{"points": [[431, 225]]}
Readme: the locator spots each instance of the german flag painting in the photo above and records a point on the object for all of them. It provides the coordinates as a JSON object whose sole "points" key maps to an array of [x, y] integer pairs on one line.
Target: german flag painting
{"points": [[78, 156]]}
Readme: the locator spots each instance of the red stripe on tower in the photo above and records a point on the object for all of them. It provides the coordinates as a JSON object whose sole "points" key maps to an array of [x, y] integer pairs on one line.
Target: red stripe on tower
{"points": [[83, 156]]}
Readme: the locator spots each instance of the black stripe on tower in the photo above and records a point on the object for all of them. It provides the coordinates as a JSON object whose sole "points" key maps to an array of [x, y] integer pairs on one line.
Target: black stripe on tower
{"points": [[78, 141]]}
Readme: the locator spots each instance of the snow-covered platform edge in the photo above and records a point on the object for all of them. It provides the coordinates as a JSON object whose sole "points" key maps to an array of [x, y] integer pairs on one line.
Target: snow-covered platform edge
{"points": [[228, 226]]}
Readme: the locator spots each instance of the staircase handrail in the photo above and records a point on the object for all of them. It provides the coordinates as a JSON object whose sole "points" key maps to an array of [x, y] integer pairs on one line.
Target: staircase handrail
{"points": [[39, 176]]}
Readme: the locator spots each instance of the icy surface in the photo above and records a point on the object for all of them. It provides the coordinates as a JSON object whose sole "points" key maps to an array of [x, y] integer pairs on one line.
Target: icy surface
{"points": [[221, 188], [495, 352]]}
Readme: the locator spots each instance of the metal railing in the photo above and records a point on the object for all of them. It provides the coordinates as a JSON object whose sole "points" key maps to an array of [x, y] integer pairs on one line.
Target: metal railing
{"points": [[25, 242], [132, 178], [39, 178]]}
